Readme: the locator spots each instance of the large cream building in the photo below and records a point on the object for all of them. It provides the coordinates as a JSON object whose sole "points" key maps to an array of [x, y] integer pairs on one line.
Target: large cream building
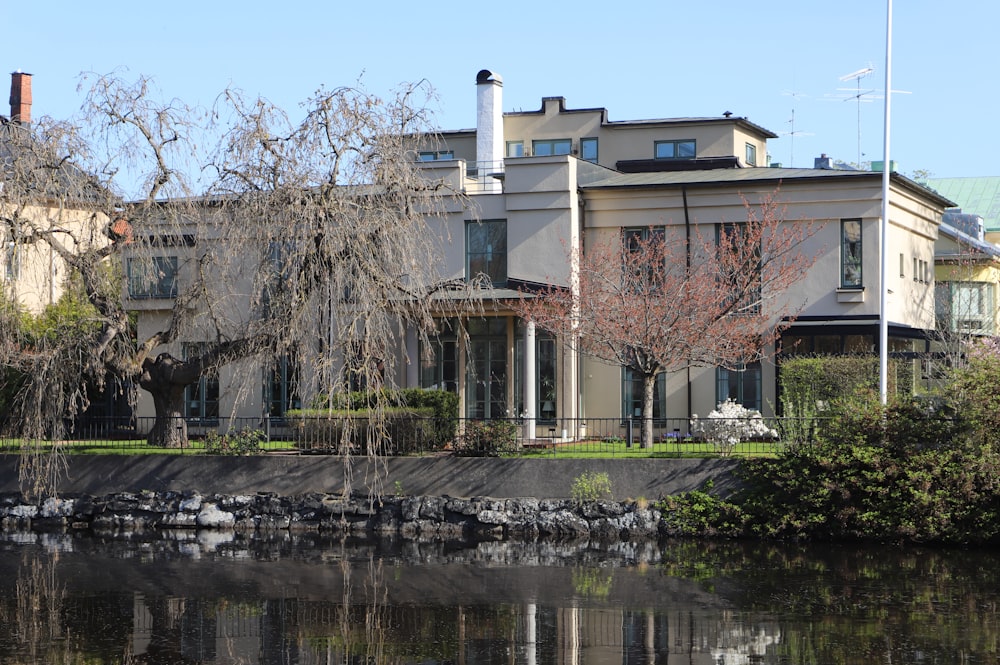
{"points": [[552, 176], [542, 181]]}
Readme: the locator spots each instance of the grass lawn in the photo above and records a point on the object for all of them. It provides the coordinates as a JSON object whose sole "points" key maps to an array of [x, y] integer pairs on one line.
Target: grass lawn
{"points": [[592, 449], [133, 447], [660, 449]]}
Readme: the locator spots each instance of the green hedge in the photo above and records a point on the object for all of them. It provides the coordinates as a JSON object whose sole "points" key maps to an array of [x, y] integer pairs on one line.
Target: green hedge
{"points": [[400, 430], [443, 404]]}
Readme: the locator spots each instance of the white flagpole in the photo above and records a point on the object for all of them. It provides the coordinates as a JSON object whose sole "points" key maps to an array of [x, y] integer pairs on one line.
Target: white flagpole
{"points": [[883, 343]]}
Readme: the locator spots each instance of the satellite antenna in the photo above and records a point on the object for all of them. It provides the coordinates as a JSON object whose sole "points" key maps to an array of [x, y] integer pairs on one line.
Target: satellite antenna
{"points": [[859, 96]]}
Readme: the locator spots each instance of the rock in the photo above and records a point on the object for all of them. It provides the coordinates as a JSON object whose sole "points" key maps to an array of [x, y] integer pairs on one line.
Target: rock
{"points": [[211, 517], [423, 518]]}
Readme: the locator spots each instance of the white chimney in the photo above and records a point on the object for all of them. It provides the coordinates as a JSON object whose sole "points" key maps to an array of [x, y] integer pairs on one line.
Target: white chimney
{"points": [[489, 120]]}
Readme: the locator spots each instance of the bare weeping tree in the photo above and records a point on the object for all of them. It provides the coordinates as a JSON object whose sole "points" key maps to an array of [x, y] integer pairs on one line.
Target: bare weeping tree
{"points": [[307, 238]]}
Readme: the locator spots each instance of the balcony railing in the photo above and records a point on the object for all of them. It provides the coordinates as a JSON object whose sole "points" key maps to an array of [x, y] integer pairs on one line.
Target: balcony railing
{"points": [[484, 177]]}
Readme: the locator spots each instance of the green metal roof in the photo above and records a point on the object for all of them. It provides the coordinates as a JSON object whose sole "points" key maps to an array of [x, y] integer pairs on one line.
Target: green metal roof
{"points": [[979, 196]]}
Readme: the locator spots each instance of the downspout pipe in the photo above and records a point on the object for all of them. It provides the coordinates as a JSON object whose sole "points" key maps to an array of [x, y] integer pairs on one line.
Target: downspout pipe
{"points": [[687, 261]]}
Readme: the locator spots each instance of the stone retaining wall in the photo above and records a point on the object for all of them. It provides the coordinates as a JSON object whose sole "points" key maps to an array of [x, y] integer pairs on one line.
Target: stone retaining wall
{"points": [[415, 518], [292, 475]]}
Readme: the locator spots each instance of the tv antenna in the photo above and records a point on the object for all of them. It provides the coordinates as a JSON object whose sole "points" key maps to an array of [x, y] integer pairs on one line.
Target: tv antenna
{"points": [[859, 96], [792, 132]]}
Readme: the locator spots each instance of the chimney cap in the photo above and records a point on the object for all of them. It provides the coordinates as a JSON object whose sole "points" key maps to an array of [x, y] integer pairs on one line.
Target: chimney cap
{"points": [[487, 76]]}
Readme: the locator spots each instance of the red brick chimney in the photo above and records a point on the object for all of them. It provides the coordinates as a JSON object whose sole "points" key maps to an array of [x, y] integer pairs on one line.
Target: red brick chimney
{"points": [[20, 97]]}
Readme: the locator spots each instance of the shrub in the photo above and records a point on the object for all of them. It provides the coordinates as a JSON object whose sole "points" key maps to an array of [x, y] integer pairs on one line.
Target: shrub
{"points": [[700, 513], [973, 389], [591, 486], [808, 385], [488, 438], [403, 430], [729, 424], [244, 442], [443, 405], [894, 473]]}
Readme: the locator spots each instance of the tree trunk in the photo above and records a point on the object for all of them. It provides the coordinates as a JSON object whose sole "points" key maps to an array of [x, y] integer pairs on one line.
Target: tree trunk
{"points": [[165, 379], [169, 428], [648, 386]]}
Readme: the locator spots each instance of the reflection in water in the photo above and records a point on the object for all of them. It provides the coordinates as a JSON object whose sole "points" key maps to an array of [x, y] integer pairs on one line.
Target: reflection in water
{"points": [[214, 599]]}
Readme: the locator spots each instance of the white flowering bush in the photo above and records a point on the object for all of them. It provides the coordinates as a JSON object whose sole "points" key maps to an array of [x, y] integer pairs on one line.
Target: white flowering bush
{"points": [[729, 424]]}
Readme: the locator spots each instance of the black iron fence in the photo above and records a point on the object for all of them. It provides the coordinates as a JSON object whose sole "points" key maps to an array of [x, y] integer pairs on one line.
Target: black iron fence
{"points": [[414, 435]]}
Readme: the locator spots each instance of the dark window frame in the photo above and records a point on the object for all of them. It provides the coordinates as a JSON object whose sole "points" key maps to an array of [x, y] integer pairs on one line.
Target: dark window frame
{"points": [[142, 285], [551, 147], [486, 243], [436, 155], [677, 146], [732, 384], [851, 255]]}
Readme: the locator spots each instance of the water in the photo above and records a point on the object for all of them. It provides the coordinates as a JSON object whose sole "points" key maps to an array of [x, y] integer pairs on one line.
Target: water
{"points": [[212, 598]]}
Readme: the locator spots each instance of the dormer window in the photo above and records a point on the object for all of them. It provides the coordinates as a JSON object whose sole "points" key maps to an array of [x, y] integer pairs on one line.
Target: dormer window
{"points": [[683, 149]]}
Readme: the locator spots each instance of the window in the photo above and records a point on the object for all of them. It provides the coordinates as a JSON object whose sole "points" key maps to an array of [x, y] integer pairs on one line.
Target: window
{"points": [[515, 148], [634, 236], [551, 147], [588, 150], [281, 392], [921, 271], [965, 307], [902, 265], [632, 394], [436, 155], [486, 250], [740, 267], [12, 261], [684, 149], [850, 254], [152, 278], [645, 278], [280, 256], [545, 356], [201, 398], [486, 369], [364, 365], [439, 360], [849, 343], [751, 154], [742, 385]]}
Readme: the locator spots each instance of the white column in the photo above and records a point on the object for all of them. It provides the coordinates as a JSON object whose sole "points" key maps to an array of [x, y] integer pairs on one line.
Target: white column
{"points": [[529, 380], [530, 635], [412, 359]]}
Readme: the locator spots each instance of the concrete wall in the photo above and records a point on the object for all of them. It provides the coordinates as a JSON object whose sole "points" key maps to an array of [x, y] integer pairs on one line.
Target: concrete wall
{"points": [[434, 476]]}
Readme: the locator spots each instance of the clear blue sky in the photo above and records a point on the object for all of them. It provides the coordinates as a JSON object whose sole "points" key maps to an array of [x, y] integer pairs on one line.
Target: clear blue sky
{"points": [[766, 60]]}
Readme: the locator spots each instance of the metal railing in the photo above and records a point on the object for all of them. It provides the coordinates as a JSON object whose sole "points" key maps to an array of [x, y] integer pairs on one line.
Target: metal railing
{"points": [[485, 177], [611, 437]]}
